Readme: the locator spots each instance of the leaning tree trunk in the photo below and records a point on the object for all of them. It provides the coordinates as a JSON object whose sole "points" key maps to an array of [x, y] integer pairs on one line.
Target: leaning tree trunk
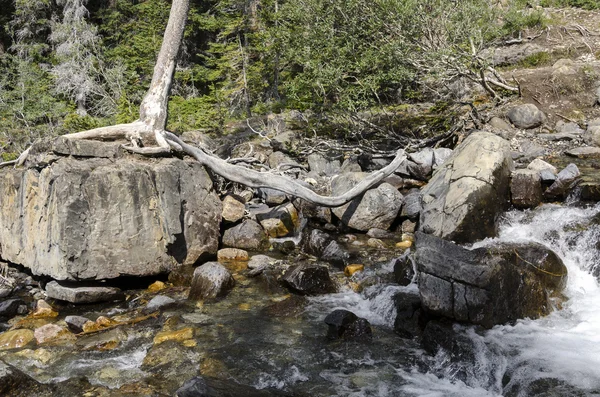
{"points": [[153, 110]]}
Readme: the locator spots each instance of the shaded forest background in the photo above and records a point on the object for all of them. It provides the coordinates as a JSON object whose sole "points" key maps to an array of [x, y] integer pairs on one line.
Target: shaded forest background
{"points": [[71, 65]]}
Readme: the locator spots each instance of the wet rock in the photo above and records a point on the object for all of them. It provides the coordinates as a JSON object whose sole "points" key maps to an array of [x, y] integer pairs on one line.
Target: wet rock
{"points": [[335, 254], [179, 335], [409, 320], [491, 285], [585, 152], [74, 203], [404, 271], [313, 211], [344, 324], [159, 302], [589, 191], [169, 364], [526, 116], [377, 208], [76, 323], [316, 241], [248, 235], [404, 244], [380, 233], [526, 188], [271, 196], [52, 333], [198, 318], [408, 226], [464, 197], [292, 306], [322, 165], [156, 286], [15, 339], [206, 387], [351, 269], [565, 181], [5, 290], [232, 254], [81, 293], [211, 280], [260, 261], [309, 279], [11, 307], [412, 204], [15, 383], [44, 310], [234, 208], [375, 243], [281, 221], [285, 247]]}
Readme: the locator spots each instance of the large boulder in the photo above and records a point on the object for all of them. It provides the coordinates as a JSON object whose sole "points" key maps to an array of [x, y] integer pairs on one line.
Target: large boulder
{"points": [[211, 280], [490, 285], [99, 218], [526, 116], [248, 235], [465, 195], [309, 279], [377, 208]]}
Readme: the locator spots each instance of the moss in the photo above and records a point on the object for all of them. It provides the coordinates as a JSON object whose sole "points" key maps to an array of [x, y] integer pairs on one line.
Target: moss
{"points": [[538, 59]]}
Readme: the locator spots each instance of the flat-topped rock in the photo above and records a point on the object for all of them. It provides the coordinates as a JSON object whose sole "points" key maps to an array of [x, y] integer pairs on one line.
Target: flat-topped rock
{"points": [[77, 293], [97, 218], [584, 152]]}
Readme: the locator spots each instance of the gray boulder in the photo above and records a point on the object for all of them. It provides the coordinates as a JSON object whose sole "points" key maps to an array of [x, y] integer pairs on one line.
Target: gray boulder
{"points": [[233, 208], [211, 280], [526, 116], [565, 180], [248, 235], [159, 302], [502, 128], [76, 323], [421, 164], [412, 204], [377, 208], [281, 221], [591, 136], [271, 196], [489, 285], [81, 293], [99, 218], [323, 166], [584, 152], [309, 279], [526, 188], [464, 196]]}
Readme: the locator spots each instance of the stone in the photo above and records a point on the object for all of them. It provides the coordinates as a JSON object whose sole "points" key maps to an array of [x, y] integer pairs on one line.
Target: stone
{"points": [[322, 165], [412, 206], [584, 152], [156, 286], [350, 165], [16, 383], [380, 233], [81, 293], [271, 196], [526, 188], [592, 135], [343, 324], [198, 318], [369, 163], [11, 307], [313, 211], [540, 165], [377, 208], [52, 333], [96, 218], [440, 155], [211, 280], [530, 150], [408, 226], [526, 116], [86, 148], [76, 323], [279, 160], [559, 136], [375, 243], [5, 290], [159, 302], [234, 208], [510, 55], [281, 221], [335, 254], [465, 196], [565, 180], [421, 164], [351, 269], [404, 270], [568, 128], [248, 235], [44, 310], [309, 279], [232, 254], [179, 335], [15, 339], [494, 284], [404, 244], [502, 128], [409, 315], [316, 241]]}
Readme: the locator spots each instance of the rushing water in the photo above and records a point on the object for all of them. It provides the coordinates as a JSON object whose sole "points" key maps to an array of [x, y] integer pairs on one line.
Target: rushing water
{"points": [[242, 339]]}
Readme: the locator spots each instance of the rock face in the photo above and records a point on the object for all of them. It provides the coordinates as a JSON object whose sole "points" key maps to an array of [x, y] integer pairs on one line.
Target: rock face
{"points": [[464, 197], [377, 208], [99, 218], [489, 285], [526, 116], [211, 280]]}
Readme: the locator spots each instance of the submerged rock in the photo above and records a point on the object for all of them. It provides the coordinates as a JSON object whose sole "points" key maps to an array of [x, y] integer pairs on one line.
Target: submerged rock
{"points": [[76, 323], [98, 218], [464, 197], [344, 324], [211, 280], [15, 338], [205, 387], [309, 279], [159, 302], [491, 285], [82, 293]]}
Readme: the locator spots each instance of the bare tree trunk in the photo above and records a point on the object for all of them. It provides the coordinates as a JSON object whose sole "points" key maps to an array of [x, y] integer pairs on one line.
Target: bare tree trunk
{"points": [[153, 110]]}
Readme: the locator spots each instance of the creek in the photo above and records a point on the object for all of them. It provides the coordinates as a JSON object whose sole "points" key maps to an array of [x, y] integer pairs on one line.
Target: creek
{"points": [[260, 336]]}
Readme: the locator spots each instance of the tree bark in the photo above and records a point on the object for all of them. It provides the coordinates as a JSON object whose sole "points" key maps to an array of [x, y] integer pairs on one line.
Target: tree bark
{"points": [[153, 110]]}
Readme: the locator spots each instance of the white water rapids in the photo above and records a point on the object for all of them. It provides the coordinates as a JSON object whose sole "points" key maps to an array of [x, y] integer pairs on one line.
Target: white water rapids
{"points": [[560, 352]]}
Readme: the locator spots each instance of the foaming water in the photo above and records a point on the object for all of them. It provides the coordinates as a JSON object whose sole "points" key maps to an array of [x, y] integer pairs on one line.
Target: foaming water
{"points": [[559, 353]]}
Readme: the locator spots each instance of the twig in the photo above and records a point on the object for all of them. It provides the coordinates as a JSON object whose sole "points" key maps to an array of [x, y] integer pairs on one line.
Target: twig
{"points": [[566, 118]]}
